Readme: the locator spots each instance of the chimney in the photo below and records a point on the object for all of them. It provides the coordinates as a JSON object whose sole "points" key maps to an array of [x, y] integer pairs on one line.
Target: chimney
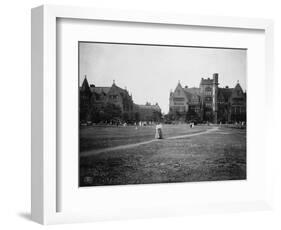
{"points": [[215, 96], [216, 78]]}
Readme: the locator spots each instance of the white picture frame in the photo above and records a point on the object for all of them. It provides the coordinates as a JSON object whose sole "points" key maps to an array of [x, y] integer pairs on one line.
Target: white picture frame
{"points": [[45, 182]]}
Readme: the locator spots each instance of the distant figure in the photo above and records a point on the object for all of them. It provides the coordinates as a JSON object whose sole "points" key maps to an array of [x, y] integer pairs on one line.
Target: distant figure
{"points": [[159, 133]]}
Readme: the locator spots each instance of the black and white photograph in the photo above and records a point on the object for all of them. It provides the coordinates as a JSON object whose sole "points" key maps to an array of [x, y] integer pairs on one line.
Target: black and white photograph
{"points": [[153, 113]]}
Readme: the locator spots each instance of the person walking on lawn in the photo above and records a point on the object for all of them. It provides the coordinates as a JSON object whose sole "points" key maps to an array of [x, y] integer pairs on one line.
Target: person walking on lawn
{"points": [[159, 132]]}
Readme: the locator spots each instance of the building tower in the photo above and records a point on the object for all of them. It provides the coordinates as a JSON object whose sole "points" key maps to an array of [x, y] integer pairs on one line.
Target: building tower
{"points": [[215, 96]]}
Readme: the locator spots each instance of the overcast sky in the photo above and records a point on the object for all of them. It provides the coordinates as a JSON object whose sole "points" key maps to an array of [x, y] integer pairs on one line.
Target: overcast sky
{"points": [[150, 72]]}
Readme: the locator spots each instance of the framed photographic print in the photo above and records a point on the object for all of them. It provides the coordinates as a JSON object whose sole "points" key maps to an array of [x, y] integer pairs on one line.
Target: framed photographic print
{"points": [[140, 114]]}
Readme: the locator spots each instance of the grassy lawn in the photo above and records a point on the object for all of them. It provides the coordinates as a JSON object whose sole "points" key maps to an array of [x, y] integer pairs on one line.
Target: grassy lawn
{"points": [[220, 155], [92, 138]]}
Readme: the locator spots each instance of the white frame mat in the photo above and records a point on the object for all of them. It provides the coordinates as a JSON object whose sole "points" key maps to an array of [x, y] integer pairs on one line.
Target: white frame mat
{"points": [[44, 181]]}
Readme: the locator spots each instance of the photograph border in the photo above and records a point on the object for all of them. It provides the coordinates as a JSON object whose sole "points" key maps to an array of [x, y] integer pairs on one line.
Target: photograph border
{"points": [[149, 45], [44, 162]]}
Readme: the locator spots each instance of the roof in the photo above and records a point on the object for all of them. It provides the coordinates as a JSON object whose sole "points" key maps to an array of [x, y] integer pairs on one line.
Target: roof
{"points": [[189, 92], [100, 90], [226, 92], [238, 87], [153, 107], [85, 85], [115, 88], [192, 90]]}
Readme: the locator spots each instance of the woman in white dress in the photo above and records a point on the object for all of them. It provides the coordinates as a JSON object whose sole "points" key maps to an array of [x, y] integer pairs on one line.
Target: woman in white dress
{"points": [[159, 133]]}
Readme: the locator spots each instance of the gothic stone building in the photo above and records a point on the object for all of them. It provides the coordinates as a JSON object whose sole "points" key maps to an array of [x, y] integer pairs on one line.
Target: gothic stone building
{"points": [[209, 102], [148, 112], [108, 103]]}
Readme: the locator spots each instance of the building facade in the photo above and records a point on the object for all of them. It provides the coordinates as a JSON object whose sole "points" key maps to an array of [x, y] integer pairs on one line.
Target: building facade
{"points": [[209, 102], [148, 112], [114, 104]]}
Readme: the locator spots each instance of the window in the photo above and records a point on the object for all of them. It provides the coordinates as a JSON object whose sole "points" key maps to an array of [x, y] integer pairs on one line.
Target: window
{"points": [[208, 91], [178, 99], [114, 97], [208, 99], [97, 97]]}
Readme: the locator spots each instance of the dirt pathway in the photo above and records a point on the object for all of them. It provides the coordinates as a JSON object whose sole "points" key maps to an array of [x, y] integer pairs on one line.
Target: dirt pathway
{"points": [[94, 152]]}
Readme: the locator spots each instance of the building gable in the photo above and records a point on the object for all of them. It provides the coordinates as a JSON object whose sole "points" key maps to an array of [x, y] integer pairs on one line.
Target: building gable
{"points": [[85, 88], [180, 94], [237, 91]]}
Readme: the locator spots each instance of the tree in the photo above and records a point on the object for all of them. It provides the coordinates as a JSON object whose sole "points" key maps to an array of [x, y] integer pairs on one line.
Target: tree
{"points": [[177, 115], [111, 112], [137, 116], [125, 117], [95, 115], [191, 115], [84, 105], [169, 117], [156, 116]]}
